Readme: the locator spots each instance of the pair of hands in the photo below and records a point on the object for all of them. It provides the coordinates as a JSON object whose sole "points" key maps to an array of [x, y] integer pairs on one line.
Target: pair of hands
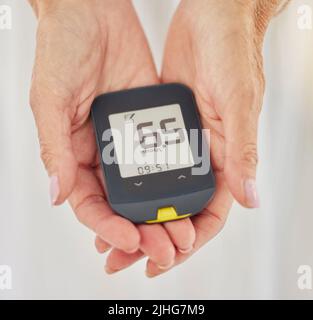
{"points": [[86, 48]]}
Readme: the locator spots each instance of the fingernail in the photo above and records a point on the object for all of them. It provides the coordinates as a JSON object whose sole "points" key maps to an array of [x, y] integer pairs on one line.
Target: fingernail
{"points": [[184, 251], [149, 275], [109, 270], [251, 193], [166, 266], [102, 250], [131, 251], [54, 189]]}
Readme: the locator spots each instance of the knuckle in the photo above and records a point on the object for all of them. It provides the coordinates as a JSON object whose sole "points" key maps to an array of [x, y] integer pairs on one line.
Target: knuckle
{"points": [[46, 155], [250, 95], [249, 155]]}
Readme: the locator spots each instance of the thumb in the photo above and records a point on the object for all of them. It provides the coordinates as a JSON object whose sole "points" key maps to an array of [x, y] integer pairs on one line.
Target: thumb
{"points": [[240, 124], [54, 131]]}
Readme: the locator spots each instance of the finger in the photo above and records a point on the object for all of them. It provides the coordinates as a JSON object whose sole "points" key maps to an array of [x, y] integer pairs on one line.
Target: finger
{"points": [[182, 234], [101, 246], [54, 131], [240, 123], [118, 260], [156, 244], [87, 201], [207, 224]]}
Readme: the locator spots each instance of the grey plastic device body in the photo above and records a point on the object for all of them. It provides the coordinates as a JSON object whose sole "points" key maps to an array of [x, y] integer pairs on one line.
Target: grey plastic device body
{"points": [[141, 203]]}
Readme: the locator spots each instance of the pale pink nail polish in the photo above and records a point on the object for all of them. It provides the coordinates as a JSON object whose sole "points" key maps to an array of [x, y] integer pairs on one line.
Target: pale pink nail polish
{"points": [[185, 251], [167, 266], [149, 275], [132, 251], [251, 193], [109, 270], [54, 189]]}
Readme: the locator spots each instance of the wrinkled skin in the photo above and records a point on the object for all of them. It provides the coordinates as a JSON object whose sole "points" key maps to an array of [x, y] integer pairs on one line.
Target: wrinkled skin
{"points": [[87, 48]]}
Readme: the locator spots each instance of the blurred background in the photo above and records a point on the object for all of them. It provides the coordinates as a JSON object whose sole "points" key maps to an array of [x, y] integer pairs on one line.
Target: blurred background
{"points": [[258, 253]]}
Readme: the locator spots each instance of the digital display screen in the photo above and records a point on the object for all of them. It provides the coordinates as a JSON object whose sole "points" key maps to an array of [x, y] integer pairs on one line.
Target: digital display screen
{"points": [[149, 141]]}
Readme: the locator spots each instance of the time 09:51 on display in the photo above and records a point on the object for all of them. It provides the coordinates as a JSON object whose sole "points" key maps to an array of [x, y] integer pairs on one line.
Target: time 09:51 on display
{"points": [[147, 169]]}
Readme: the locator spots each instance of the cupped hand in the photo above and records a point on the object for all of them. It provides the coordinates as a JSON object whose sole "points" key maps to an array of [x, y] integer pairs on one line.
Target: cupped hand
{"points": [[85, 48], [214, 47]]}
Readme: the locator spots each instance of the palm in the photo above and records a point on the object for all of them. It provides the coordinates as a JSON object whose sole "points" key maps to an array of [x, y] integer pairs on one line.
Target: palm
{"points": [[207, 51], [204, 65], [92, 61], [212, 49], [111, 63], [178, 67], [87, 199]]}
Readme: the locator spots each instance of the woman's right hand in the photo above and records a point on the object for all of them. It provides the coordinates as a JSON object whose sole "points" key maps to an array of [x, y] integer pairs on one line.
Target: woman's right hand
{"points": [[85, 48]]}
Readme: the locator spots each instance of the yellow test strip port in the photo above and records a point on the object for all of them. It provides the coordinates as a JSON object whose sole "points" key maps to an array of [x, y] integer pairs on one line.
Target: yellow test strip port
{"points": [[167, 214]]}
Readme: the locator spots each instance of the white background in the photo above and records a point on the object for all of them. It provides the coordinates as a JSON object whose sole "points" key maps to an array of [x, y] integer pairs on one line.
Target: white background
{"points": [[258, 252]]}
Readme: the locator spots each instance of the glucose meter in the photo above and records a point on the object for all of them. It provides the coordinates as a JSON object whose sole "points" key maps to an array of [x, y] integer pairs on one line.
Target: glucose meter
{"points": [[154, 154]]}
